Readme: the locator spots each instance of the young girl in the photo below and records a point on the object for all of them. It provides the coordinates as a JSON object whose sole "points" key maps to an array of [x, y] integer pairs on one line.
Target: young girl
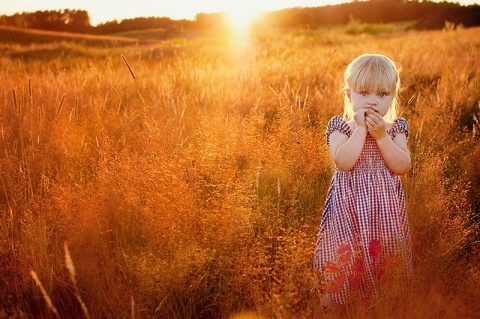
{"points": [[364, 235]]}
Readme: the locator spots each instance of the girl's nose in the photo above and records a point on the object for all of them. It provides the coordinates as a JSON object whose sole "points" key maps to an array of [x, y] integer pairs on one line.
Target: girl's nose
{"points": [[372, 103]]}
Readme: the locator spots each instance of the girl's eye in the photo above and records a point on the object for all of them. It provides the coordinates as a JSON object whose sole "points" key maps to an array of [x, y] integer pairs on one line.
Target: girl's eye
{"points": [[364, 93], [383, 94]]}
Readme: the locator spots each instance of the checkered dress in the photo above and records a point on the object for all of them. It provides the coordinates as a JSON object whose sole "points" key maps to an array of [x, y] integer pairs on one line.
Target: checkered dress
{"points": [[364, 236]]}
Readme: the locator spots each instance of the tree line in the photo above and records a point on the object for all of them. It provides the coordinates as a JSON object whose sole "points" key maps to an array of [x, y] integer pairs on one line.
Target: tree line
{"points": [[427, 14], [64, 20]]}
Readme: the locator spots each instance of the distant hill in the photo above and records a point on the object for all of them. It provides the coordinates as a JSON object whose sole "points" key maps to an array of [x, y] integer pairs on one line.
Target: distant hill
{"points": [[425, 14], [465, 16], [22, 36]]}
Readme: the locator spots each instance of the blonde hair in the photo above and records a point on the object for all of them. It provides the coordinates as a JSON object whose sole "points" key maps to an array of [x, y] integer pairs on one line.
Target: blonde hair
{"points": [[372, 73]]}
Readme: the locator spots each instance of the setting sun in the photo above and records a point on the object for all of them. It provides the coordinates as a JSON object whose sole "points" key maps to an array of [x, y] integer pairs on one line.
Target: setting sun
{"points": [[240, 19]]}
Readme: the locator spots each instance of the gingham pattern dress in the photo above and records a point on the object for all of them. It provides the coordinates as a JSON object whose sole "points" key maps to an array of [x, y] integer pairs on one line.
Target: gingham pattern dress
{"points": [[364, 235]]}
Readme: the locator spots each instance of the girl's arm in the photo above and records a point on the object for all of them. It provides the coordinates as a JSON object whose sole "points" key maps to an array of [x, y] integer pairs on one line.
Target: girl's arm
{"points": [[394, 152], [346, 150]]}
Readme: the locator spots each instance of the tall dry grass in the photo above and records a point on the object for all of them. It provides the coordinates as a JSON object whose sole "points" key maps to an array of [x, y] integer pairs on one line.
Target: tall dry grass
{"points": [[188, 177]]}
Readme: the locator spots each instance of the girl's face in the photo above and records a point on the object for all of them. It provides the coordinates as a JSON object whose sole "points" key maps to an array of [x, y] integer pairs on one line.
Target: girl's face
{"points": [[378, 101]]}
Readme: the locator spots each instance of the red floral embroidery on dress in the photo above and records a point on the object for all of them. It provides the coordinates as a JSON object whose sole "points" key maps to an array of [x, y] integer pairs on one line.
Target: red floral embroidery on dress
{"points": [[353, 273], [331, 267], [344, 253], [338, 283], [357, 265], [354, 281]]}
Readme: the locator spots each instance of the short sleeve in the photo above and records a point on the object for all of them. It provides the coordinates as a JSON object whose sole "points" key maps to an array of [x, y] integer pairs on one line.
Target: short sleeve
{"points": [[336, 123], [399, 127]]}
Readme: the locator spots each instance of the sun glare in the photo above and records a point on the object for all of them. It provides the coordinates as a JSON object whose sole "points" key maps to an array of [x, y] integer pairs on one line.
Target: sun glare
{"points": [[240, 19]]}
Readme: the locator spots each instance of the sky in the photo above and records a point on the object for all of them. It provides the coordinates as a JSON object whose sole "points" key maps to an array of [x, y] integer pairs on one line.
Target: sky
{"points": [[107, 10]]}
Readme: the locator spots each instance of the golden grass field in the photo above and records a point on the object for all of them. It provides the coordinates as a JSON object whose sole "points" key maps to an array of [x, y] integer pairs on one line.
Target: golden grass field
{"points": [[186, 178]]}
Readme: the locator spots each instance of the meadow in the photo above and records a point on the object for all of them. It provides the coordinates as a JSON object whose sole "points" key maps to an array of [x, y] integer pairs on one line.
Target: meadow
{"points": [[186, 178]]}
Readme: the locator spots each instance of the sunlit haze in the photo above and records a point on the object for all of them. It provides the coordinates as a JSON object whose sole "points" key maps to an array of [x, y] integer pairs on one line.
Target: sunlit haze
{"points": [[108, 10]]}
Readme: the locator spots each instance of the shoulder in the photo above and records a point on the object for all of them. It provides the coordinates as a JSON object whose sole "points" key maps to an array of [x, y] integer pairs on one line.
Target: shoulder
{"points": [[400, 121], [336, 123], [399, 126]]}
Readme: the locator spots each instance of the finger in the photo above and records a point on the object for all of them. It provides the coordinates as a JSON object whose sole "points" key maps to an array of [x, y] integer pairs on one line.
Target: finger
{"points": [[369, 123], [372, 119], [377, 118], [374, 113]]}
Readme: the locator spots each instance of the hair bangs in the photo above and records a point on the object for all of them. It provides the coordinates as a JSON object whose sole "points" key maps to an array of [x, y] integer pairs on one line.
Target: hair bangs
{"points": [[374, 75]]}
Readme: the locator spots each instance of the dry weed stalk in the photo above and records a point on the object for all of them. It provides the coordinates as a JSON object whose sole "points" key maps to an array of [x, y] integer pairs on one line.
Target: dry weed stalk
{"points": [[134, 77], [129, 67], [132, 306], [71, 270], [73, 112], [45, 295], [14, 99], [30, 89], [59, 109]]}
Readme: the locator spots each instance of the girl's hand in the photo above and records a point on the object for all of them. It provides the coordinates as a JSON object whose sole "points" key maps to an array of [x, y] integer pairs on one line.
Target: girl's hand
{"points": [[360, 116], [375, 124]]}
